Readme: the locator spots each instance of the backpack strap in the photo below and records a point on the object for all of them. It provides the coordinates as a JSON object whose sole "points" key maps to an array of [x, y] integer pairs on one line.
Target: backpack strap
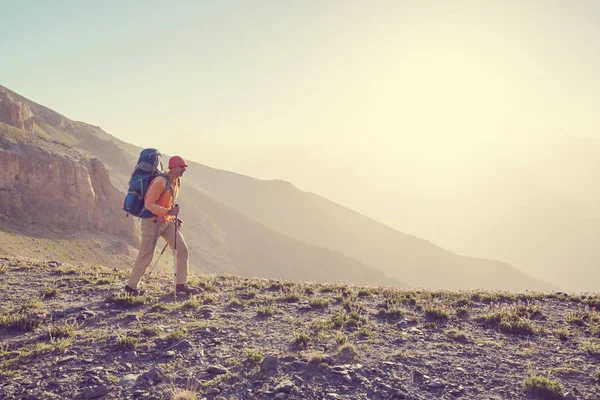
{"points": [[167, 187]]}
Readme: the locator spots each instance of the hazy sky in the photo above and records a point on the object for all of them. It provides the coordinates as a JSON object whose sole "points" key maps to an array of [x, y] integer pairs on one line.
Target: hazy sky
{"points": [[411, 112]]}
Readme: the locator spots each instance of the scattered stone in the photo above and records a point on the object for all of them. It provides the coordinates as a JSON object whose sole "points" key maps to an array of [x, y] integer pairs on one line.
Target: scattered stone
{"points": [[154, 375], [213, 391], [280, 396], [53, 264], [285, 386], [269, 364], [182, 346], [458, 391], [95, 392], [300, 364], [128, 380], [346, 377], [66, 359], [436, 383], [217, 370]]}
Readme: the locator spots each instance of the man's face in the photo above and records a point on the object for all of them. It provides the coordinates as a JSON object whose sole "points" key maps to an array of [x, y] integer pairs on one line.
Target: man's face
{"points": [[179, 171]]}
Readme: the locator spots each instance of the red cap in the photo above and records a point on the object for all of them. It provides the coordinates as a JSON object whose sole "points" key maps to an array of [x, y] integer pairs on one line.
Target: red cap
{"points": [[177, 161]]}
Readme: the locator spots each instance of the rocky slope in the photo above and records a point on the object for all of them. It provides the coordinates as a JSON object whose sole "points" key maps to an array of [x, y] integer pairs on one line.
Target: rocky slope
{"points": [[46, 182], [69, 332]]}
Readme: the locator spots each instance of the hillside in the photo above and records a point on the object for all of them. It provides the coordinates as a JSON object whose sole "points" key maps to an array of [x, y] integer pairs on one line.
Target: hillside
{"points": [[220, 238], [312, 218], [68, 332], [254, 227]]}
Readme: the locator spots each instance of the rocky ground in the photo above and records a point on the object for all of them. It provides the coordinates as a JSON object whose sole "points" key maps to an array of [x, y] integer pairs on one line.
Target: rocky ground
{"points": [[67, 331]]}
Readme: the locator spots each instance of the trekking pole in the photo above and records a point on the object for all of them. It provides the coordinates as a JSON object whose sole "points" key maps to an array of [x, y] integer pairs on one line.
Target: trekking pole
{"points": [[155, 262], [175, 253]]}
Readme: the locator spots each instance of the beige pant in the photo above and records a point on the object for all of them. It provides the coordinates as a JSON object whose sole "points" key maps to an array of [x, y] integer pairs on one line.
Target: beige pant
{"points": [[166, 230]]}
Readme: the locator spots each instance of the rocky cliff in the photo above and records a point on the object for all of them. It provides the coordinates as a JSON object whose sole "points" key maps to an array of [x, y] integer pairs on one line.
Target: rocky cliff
{"points": [[46, 182], [15, 112]]}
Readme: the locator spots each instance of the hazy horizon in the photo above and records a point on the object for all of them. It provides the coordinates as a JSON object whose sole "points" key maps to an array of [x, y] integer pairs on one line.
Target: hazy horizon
{"points": [[473, 125]]}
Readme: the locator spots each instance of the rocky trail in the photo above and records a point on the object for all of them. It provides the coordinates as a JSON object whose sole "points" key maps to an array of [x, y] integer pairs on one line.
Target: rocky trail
{"points": [[69, 332]]}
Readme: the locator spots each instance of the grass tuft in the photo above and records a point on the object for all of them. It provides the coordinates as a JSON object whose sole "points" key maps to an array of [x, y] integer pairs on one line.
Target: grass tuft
{"points": [[543, 388]]}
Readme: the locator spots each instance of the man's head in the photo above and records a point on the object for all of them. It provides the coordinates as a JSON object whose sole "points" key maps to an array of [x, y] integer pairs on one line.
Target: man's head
{"points": [[177, 166]]}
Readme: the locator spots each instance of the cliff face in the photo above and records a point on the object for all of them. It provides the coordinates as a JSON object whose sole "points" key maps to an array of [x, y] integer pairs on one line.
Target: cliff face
{"points": [[60, 188], [15, 112]]}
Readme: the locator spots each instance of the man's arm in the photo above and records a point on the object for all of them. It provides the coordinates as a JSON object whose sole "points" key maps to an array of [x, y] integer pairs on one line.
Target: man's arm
{"points": [[157, 186]]}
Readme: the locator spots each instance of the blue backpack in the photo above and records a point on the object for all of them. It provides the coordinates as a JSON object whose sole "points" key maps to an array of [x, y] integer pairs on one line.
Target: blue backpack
{"points": [[146, 170]]}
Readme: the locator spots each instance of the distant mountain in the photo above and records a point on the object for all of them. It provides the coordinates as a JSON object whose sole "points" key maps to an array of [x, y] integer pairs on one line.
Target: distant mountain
{"points": [[238, 224]]}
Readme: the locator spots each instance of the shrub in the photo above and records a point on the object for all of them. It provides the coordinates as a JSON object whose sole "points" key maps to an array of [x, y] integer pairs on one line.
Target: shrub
{"points": [[591, 348], [301, 340], [25, 322], [66, 329], [319, 303], [127, 342], [543, 388], [191, 304], [55, 345], [150, 331], [252, 356], [341, 339], [436, 313], [315, 359], [127, 300], [348, 352], [462, 312], [176, 335], [265, 311], [457, 335]]}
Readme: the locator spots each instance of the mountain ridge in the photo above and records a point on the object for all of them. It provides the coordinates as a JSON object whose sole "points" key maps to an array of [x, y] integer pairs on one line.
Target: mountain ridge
{"points": [[342, 234]]}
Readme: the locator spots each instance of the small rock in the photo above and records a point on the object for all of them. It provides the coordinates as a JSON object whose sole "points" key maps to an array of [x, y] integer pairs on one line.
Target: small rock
{"points": [[570, 396], [183, 346], [285, 386], [128, 380], [154, 375], [95, 392], [299, 364], [269, 364], [437, 383], [458, 391], [327, 359], [53, 264], [213, 391], [346, 377], [459, 369], [170, 353], [280, 396], [65, 359], [217, 370]]}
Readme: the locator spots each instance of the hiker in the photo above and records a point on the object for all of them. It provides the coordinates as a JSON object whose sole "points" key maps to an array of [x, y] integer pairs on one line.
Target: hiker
{"points": [[160, 201]]}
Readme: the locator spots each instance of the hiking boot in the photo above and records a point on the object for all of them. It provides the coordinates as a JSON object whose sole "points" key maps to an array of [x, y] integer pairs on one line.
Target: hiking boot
{"points": [[133, 292], [185, 289]]}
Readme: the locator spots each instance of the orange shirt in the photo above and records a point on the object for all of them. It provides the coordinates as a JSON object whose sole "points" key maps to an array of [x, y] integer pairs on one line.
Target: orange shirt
{"points": [[159, 203]]}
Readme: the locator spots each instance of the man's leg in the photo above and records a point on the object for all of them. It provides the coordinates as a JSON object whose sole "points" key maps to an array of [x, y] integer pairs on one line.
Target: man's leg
{"points": [[182, 252], [145, 254]]}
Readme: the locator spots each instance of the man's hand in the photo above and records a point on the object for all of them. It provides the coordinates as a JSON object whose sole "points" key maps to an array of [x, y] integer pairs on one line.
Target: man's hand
{"points": [[174, 210]]}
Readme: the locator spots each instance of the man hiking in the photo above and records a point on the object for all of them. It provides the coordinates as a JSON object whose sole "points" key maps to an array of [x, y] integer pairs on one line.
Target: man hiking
{"points": [[160, 200]]}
